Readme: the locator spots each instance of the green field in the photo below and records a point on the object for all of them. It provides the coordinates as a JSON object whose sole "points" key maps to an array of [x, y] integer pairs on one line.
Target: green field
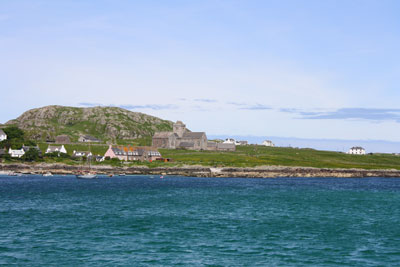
{"points": [[252, 156]]}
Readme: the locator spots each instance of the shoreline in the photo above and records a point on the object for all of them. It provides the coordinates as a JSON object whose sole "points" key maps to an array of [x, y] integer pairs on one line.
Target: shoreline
{"points": [[201, 171]]}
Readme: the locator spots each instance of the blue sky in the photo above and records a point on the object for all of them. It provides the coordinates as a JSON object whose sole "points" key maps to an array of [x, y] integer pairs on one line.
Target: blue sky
{"points": [[306, 69]]}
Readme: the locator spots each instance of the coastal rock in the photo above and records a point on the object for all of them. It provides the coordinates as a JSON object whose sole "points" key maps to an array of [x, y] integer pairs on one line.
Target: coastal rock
{"points": [[200, 171]]}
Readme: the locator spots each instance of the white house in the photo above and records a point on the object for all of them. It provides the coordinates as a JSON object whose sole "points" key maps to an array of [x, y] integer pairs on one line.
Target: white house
{"points": [[357, 150], [267, 143], [99, 158], [231, 141], [79, 154], [16, 153], [3, 135], [51, 149]]}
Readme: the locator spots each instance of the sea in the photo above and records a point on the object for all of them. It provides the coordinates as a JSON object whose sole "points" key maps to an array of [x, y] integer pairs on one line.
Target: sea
{"points": [[184, 221]]}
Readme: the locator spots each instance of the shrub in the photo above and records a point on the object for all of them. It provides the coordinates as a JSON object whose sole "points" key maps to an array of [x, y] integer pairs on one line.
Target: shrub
{"points": [[57, 155], [14, 132], [31, 155]]}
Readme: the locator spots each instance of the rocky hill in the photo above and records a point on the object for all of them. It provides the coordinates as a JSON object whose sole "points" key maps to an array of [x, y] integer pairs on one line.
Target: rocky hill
{"points": [[105, 123]]}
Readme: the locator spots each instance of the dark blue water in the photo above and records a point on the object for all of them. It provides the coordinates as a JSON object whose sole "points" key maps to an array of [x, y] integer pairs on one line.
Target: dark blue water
{"points": [[139, 221]]}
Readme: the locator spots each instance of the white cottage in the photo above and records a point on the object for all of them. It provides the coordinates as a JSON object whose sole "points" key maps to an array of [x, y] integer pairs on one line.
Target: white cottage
{"points": [[16, 153], [267, 143], [356, 150], [51, 149], [231, 141], [79, 154], [3, 135]]}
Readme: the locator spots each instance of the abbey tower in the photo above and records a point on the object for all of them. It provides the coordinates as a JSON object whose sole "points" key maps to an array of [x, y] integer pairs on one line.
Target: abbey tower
{"points": [[179, 128]]}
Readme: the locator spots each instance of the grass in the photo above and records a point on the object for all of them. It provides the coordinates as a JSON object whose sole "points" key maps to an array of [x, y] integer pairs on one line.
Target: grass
{"points": [[253, 156], [144, 141]]}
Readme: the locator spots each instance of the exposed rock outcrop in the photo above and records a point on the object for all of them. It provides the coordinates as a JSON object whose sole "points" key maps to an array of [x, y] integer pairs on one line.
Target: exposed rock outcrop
{"points": [[105, 123]]}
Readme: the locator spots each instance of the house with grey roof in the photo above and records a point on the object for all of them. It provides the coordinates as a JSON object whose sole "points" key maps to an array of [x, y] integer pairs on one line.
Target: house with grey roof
{"points": [[148, 153], [63, 139], [132, 153], [231, 141], [52, 149], [88, 139], [16, 153]]}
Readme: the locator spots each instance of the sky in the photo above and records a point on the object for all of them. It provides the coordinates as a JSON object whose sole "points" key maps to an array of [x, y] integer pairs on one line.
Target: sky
{"points": [[303, 69]]}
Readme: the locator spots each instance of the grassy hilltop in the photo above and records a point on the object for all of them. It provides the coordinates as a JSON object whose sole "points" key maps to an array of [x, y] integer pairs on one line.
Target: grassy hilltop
{"points": [[105, 123]]}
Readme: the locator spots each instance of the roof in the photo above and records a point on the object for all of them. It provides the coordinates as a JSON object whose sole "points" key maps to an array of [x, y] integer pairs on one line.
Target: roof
{"points": [[147, 150], [163, 134], [193, 135], [53, 148], [357, 147], [16, 150], [26, 148], [143, 149], [133, 151], [2, 132], [62, 138], [117, 150], [89, 137], [50, 146], [140, 151]]}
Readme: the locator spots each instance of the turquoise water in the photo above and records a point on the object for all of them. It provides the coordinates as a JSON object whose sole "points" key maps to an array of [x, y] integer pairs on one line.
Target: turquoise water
{"points": [[139, 221]]}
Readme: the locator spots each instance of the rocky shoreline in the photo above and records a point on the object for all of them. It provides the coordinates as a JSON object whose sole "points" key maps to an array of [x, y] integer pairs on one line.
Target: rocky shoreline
{"points": [[201, 171]]}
